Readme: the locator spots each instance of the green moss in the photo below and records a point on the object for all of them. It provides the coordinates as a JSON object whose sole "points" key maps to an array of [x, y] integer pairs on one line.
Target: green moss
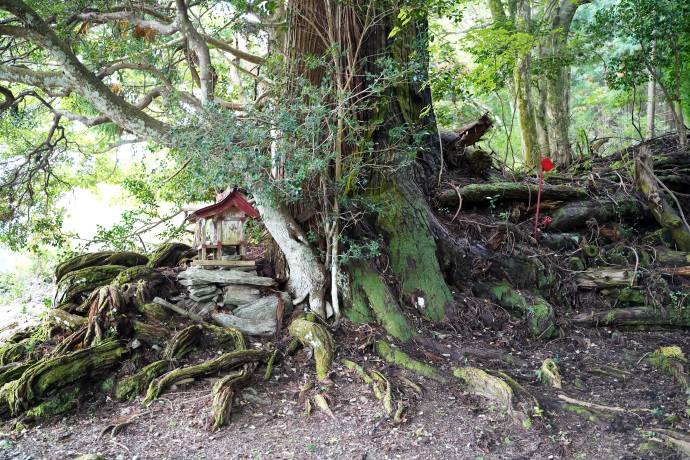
{"points": [[77, 285], [137, 383], [537, 311], [413, 254], [141, 272], [370, 295], [319, 339], [401, 359], [56, 406]]}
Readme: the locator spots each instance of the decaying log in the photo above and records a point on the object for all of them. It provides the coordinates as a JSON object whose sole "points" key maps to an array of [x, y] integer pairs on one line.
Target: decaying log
{"points": [[665, 214], [606, 277], [577, 214], [485, 193], [643, 318]]}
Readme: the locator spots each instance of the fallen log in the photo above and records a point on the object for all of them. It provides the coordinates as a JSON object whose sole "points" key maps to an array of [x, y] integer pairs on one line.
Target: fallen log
{"points": [[665, 214], [636, 318], [606, 277], [485, 193], [576, 215]]}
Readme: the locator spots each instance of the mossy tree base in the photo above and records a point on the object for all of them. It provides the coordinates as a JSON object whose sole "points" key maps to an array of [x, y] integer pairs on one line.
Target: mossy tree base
{"points": [[319, 339]]}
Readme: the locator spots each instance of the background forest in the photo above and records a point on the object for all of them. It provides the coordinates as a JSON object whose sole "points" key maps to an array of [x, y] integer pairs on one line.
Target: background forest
{"points": [[571, 80]]}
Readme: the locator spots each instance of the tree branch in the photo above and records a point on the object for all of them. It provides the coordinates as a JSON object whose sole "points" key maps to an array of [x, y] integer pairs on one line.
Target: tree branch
{"points": [[86, 83], [165, 29], [201, 49], [34, 77]]}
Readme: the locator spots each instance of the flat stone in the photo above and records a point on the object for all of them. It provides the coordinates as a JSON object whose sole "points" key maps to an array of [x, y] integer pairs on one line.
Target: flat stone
{"points": [[226, 277], [239, 294], [189, 282], [262, 309], [204, 291], [246, 326], [204, 308]]}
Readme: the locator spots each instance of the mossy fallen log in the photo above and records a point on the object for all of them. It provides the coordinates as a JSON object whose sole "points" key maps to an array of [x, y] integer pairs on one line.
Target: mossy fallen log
{"points": [[492, 192], [55, 373], [538, 313], [319, 339], [126, 259], [222, 363], [133, 385], [635, 318], [667, 216], [575, 215]]}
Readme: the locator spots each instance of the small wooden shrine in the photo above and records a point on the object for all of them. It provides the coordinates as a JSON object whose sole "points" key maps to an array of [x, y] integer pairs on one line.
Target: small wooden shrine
{"points": [[219, 233]]}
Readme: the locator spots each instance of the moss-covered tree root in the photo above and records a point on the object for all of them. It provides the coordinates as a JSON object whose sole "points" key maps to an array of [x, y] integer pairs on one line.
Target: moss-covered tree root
{"points": [[319, 339], [498, 390], [184, 342], [224, 394], [538, 313], [135, 384], [222, 363], [396, 356], [59, 372]]}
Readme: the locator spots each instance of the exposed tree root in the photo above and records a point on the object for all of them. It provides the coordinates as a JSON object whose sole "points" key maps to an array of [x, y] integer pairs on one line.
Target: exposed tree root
{"points": [[222, 363], [184, 342], [135, 384], [495, 389], [58, 372], [224, 394], [321, 341], [401, 359]]}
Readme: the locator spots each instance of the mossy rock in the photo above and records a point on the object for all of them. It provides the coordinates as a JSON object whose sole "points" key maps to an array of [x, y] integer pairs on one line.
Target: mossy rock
{"points": [[168, 255], [319, 339], [76, 286], [126, 259]]}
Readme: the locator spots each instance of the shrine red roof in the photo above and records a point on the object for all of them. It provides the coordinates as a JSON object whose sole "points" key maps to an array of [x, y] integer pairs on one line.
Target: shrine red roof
{"points": [[228, 200]]}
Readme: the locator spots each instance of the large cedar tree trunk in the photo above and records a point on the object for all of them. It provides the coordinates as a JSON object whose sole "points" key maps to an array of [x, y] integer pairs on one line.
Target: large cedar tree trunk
{"points": [[410, 280]]}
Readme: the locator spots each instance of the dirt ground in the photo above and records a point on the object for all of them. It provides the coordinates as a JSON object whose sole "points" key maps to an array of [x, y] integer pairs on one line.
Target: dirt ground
{"points": [[601, 366]]}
